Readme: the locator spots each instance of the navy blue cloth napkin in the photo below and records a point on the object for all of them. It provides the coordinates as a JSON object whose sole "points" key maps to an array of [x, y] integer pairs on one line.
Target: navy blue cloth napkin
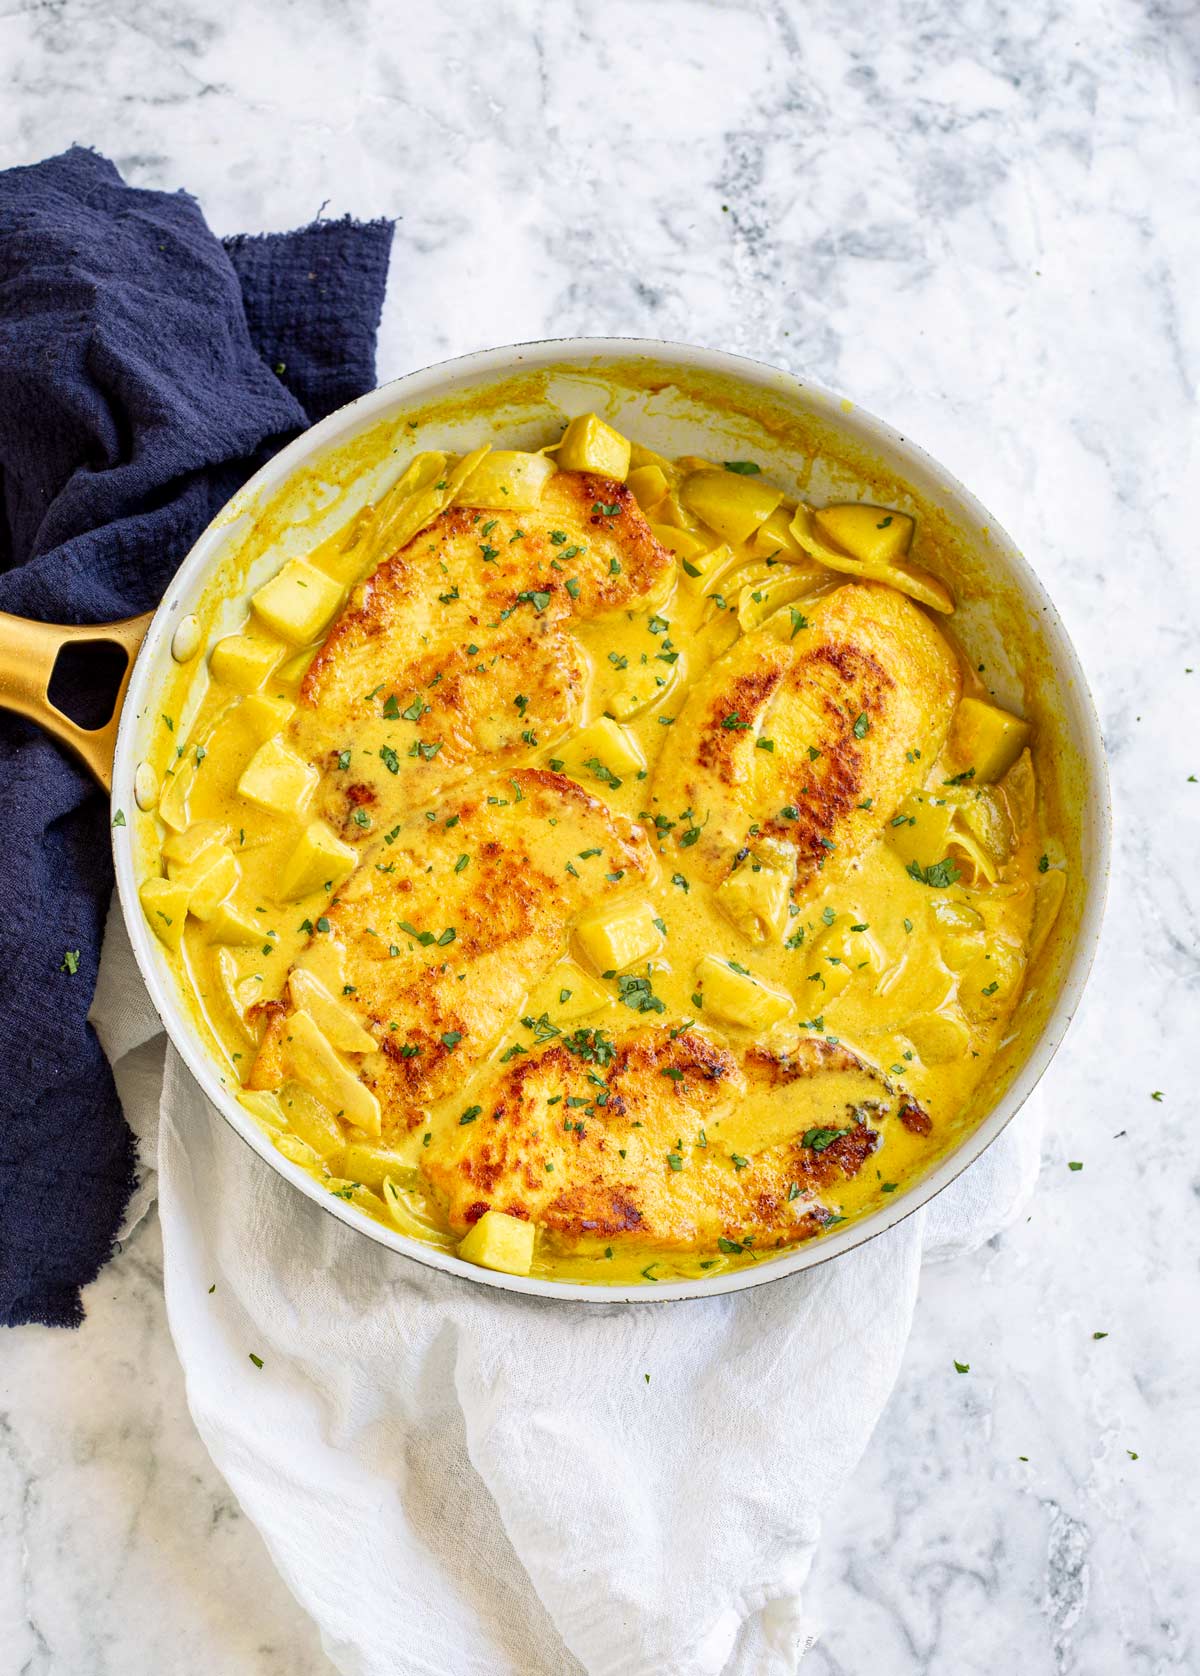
{"points": [[146, 369]]}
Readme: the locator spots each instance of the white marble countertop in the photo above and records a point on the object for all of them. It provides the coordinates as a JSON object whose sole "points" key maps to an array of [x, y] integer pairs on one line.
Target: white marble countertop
{"points": [[979, 221]]}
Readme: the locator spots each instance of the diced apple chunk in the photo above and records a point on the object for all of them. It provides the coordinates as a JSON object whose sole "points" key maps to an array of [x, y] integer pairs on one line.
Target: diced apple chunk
{"points": [[308, 1116], [499, 1241], [507, 480], [298, 603], [293, 670], [702, 571], [615, 937], [176, 790], [316, 1066], [277, 779], [212, 883], [372, 1165], [732, 505], [686, 546], [754, 898], [263, 1107], [589, 444], [874, 534], [920, 828], [244, 661], [774, 537], [227, 925], [602, 750], [265, 716], [295, 1150], [738, 997], [986, 739], [334, 1019], [757, 601], [842, 953], [320, 861], [183, 848], [165, 905], [649, 484]]}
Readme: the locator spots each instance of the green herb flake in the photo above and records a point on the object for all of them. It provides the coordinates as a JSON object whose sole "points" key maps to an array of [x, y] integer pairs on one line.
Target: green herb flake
{"points": [[939, 875]]}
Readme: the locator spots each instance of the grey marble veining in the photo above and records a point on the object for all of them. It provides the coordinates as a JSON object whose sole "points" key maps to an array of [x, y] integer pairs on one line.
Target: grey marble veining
{"points": [[979, 220]]}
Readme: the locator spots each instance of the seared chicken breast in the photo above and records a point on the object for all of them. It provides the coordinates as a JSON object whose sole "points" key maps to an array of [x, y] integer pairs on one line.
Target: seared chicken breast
{"points": [[455, 653], [797, 751], [668, 1138], [446, 925]]}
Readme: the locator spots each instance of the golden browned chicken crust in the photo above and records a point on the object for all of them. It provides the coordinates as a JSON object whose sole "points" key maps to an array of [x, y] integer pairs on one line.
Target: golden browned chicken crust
{"points": [[440, 951], [811, 742], [455, 653], [668, 1138]]}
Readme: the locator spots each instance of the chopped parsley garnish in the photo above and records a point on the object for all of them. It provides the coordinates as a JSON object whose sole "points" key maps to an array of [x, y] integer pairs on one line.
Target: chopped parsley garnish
{"points": [[592, 1046], [862, 725], [638, 994], [819, 1139], [939, 875], [70, 962], [743, 468], [603, 774]]}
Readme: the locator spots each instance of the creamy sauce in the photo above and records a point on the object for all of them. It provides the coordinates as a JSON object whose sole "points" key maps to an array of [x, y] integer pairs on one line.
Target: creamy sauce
{"points": [[918, 973]]}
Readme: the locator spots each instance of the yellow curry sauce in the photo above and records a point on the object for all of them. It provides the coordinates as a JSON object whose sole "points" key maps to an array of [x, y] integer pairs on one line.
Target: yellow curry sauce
{"points": [[880, 975]]}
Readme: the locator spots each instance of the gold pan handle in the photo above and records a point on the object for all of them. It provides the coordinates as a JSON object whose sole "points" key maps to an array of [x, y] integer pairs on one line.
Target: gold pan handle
{"points": [[28, 654]]}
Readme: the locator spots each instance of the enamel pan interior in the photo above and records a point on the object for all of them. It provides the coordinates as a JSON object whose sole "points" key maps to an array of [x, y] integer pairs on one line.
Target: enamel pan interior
{"points": [[680, 399]]}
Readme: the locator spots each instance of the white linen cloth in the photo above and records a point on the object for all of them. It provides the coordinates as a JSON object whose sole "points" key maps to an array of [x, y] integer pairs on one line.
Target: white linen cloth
{"points": [[453, 1479]]}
